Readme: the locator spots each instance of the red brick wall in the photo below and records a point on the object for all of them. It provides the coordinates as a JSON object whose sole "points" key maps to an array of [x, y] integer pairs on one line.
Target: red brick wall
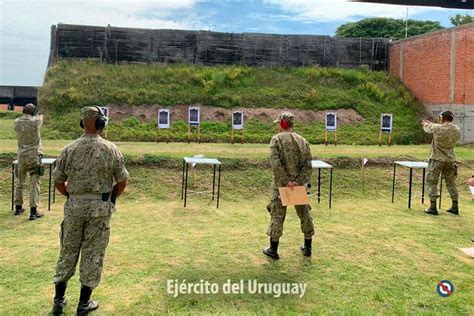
{"points": [[425, 66], [464, 83]]}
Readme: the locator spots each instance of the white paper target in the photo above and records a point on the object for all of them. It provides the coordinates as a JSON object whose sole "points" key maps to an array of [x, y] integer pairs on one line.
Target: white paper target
{"points": [[164, 118]]}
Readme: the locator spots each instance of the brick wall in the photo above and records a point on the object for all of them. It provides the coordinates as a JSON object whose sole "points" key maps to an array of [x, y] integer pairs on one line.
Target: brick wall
{"points": [[439, 68]]}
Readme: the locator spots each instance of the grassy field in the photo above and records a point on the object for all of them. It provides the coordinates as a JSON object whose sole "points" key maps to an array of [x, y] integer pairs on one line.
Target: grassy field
{"points": [[252, 151], [370, 256], [69, 85]]}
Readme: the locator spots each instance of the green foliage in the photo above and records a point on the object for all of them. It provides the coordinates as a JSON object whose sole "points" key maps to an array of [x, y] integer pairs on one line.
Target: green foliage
{"points": [[459, 19], [9, 115], [386, 28], [69, 85]]}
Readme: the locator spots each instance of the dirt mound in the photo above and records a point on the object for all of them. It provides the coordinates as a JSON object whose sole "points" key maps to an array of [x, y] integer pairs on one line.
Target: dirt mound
{"points": [[210, 113]]}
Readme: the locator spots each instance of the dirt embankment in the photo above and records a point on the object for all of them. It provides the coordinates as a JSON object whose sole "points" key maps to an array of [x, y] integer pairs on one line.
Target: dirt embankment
{"points": [[210, 113]]}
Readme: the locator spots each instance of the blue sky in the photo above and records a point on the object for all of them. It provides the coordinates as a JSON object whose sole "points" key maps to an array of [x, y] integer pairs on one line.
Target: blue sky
{"points": [[25, 24]]}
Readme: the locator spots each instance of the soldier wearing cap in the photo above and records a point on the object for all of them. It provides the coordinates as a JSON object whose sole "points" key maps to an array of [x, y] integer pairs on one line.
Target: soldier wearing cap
{"points": [[86, 172], [30, 151], [290, 158], [442, 160]]}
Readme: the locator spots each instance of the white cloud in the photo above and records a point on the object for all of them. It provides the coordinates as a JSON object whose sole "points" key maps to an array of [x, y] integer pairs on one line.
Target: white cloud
{"points": [[25, 27], [340, 10]]}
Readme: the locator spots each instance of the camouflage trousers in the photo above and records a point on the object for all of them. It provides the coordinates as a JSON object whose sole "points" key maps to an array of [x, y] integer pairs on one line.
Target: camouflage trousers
{"points": [[27, 166], [85, 230], [448, 171], [278, 214]]}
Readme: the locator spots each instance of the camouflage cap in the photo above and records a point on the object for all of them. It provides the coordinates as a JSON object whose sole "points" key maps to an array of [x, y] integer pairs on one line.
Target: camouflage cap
{"points": [[287, 116], [91, 112]]}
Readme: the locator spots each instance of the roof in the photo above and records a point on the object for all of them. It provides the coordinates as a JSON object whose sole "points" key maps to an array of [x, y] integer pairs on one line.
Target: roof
{"points": [[452, 4]]}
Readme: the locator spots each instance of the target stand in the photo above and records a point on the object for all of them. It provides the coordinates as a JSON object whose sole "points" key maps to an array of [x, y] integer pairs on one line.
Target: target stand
{"points": [[326, 137], [190, 132], [242, 137]]}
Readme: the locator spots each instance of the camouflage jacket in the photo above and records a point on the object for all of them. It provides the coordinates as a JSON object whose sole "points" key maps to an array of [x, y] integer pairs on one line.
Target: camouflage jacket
{"points": [[290, 158], [90, 164], [27, 128], [445, 137]]}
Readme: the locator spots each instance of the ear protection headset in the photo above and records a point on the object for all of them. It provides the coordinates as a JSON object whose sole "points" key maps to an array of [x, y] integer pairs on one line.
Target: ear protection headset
{"points": [[35, 111], [284, 124], [100, 122], [446, 115]]}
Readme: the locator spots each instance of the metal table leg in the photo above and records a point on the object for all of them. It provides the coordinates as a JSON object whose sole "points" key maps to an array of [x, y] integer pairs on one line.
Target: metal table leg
{"points": [[440, 190], [54, 188], [330, 190], [182, 180], [319, 185], [186, 183], [13, 185], [213, 182], [423, 187], [219, 187], [393, 182], [49, 188], [409, 188]]}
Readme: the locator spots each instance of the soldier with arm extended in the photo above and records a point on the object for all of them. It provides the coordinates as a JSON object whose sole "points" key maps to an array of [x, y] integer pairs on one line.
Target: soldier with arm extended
{"points": [[30, 151], [86, 172], [442, 160], [290, 158]]}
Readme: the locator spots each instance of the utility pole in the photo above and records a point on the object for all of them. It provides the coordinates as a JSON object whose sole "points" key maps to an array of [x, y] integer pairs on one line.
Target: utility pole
{"points": [[406, 25]]}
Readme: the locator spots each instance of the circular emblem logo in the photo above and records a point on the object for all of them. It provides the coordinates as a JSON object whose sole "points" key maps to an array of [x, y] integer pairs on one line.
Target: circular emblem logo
{"points": [[445, 288]]}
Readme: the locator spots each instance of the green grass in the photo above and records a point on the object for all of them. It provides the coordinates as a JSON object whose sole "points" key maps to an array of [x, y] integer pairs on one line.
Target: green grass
{"points": [[370, 256], [69, 85], [145, 150]]}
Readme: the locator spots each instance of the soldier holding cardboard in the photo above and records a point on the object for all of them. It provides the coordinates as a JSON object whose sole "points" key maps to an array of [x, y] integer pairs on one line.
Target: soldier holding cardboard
{"points": [[442, 159], [86, 171], [30, 151], [290, 158]]}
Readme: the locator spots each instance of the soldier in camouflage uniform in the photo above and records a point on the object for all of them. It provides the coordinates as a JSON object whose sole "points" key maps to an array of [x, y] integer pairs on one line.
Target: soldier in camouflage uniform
{"points": [[30, 151], [442, 160], [290, 158], [86, 172]]}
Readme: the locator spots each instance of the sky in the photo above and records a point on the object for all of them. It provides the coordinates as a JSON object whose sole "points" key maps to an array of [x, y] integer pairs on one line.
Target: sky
{"points": [[25, 24]]}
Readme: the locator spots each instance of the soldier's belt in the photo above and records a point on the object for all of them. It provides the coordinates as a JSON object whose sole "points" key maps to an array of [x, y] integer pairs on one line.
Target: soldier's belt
{"points": [[89, 196]]}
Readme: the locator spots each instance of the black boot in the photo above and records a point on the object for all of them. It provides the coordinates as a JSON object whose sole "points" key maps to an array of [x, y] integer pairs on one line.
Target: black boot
{"points": [[454, 209], [85, 305], [306, 248], [272, 251], [19, 209], [34, 214], [59, 298], [432, 210]]}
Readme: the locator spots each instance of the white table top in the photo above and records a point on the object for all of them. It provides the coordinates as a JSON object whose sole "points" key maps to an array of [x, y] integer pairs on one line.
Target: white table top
{"points": [[319, 164], [413, 164], [204, 161], [44, 161]]}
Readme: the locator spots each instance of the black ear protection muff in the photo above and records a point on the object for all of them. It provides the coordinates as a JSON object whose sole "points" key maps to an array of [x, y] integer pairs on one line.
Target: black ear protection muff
{"points": [[100, 122], [446, 116], [35, 111]]}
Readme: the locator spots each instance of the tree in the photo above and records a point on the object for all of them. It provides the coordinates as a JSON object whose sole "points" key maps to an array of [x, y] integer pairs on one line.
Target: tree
{"points": [[386, 28], [459, 19]]}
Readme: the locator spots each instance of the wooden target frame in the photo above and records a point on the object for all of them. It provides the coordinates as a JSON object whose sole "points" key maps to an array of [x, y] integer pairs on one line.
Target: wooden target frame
{"points": [[386, 127], [238, 124], [330, 127], [194, 120]]}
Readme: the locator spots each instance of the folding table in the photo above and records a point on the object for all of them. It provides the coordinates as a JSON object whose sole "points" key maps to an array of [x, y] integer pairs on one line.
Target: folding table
{"points": [[319, 164], [204, 161], [414, 165], [51, 162]]}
